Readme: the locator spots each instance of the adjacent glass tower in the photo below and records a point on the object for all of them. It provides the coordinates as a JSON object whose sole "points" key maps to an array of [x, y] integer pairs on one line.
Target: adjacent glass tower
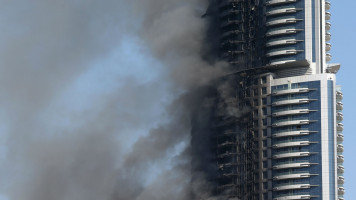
{"points": [[285, 143]]}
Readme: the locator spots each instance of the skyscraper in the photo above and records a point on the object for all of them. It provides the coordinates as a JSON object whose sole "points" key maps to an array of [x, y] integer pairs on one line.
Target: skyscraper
{"points": [[278, 129]]}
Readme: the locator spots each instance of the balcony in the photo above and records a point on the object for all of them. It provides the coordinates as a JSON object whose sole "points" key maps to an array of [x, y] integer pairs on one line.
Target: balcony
{"points": [[282, 21], [340, 159], [291, 91], [327, 47], [282, 31], [293, 197], [276, 2], [340, 169], [340, 191], [327, 36], [292, 101], [340, 180], [340, 137], [339, 127], [327, 15], [283, 53], [281, 42], [292, 165], [327, 5], [339, 106], [328, 57], [282, 11], [291, 112], [339, 96], [339, 116], [340, 148], [292, 176], [291, 155], [327, 26], [292, 123], [291, 144], [292, 187], [292, 133]]}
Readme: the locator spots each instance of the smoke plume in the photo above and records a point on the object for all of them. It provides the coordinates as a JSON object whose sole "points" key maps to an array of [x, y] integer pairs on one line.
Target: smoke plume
{"points": [[97, 99]]}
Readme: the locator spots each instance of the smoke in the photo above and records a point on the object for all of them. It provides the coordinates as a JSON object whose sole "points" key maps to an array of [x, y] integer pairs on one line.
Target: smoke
{"points": [[96, 98]]}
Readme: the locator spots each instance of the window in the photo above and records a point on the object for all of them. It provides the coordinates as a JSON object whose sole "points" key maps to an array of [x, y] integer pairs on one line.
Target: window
{"points": [[255, 112], [264, 122], [264, 110], [255, 92], [264, 101], [264, 80], [265, 153], [264, 90], [264, 132], [255, 102], [265, 166], [264, 143]]}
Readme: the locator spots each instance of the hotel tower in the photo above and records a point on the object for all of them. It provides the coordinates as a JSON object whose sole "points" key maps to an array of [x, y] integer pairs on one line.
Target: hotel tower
{"points": [[278, 131]]}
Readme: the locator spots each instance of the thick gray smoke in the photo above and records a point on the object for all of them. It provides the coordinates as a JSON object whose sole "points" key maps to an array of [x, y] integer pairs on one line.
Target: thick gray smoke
{"points": [[95, 98]]}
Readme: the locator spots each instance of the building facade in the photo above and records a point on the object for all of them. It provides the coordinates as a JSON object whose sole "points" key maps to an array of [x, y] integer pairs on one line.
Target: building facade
{"points": [[285, 142]]}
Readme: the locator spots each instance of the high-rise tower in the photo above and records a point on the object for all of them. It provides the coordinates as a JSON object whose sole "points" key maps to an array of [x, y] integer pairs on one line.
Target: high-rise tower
{"points": [[284, 142]]}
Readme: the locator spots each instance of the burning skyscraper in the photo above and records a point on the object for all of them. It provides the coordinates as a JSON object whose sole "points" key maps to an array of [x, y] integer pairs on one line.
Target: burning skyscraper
{"points": [[272, 128]]}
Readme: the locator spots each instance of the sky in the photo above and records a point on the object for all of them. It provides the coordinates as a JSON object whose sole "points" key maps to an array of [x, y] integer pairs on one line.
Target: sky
{"points": [[83, 83], [343, 51]]}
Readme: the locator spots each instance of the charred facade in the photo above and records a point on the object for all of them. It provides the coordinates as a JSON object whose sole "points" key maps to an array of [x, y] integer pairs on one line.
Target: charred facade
{"points": [[274, 127]]}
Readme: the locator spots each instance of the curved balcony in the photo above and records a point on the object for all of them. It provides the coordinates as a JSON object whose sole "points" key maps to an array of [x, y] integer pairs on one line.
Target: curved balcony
{"points": [[327, 47], [340, 191], [277, 22], [339, 106], [292, 123], [340, 148], [340, 137], [339, 96], [340, 169], [339, 127], [292, 187], [291, 144], [292, 165], [328, 36], [281, 11], [291, 112], [328, 57], [281, 62], [285, 31], [327, 15], [293, 197], [283, 52], [292, 101], [226, 144], [327, 26], [291, 155], [340, 180], [340, 159], [292, 176], [339, 116], [281, 42], [292, 133], [277, 2], [340, 198], [327, 5], [291, 91]]}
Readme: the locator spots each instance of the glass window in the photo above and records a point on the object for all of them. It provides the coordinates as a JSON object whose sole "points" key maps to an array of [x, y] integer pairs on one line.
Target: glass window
{"points": [[264, 80], [264, 90], [255, 102], [255, 92], [264, 101], [265, 132]]}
